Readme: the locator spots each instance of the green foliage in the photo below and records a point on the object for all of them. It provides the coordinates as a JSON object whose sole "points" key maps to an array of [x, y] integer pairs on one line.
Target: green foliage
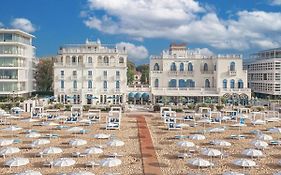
{"points": [[130, 72], [191, 106], [86, 107], [144, 69], [219, 107], [58, 106], [67, 107], [156, 108], [44, 75]]}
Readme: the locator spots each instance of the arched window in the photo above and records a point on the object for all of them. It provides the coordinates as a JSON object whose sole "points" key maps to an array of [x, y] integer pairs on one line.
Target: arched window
{"points": [[190, 83], [173, 67], [207, 83], [90, 84], [117, 84], [80, 59], [182, 83], [205, 67], [173, 83], [156, 82], [90, 59], [105, 84], [240, 84], [121, 60], [74, 59], [75, 84], [190, 67], [232, 84], [156, 67], [224, 83], [181, 67], [105, 59], [232, 66]]}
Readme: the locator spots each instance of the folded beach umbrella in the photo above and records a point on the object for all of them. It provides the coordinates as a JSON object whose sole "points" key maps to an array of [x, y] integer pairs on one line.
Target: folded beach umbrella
{"points": [[77, 142], [264, 137], [110, 162], [9, 150], [221, 143], [75, 129], [233, 173], [197, 137], [115, 142], [6, 142], [40, 142], [64, 162], [211, 152], [101, 136], [17, 161], [52, 150], [185, 144], [252, 153], [259, 144], [93, 150], [33, 135]]}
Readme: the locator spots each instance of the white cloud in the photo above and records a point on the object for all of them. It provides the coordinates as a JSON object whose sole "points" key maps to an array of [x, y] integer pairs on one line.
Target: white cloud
{"points": [[205, 51], [275, 2], [134, 52], [23, 24], [185, 20]]}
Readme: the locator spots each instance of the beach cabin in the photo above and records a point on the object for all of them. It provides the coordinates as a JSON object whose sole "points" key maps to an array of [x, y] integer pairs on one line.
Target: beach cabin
{"points": [[215, 117], [170, 116], [94, 115], [258, 118], [28, 105], [229, 115], [37, 111], [205, 111], [272, 116], [113, 120], [189, 115], [163, 109]]}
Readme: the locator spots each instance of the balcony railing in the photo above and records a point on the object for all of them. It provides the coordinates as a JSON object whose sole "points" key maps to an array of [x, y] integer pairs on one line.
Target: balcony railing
{"points": [[232, 73], [157, 71]]}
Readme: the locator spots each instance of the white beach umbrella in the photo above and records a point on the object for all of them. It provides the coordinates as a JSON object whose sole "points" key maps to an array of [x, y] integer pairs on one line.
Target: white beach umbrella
{"points": [[115, 143], [29, 172], [5, 142], [81, 173], [12, 128], [244, 163], [50, 124], [110, 162], [40, 142], [52, 150], [200, 162], [15, 162], [216, 130], [77, 142], [275, 130], [238, 125], [232, 173], [259, 144], [221, 143], [33, 135], [211, 152], [29, 120], [9, 150], [252, 153], [197, 137], [101, 136], [264, 137], [64, 162], [186, 144], [93, 150], [75, 129]]}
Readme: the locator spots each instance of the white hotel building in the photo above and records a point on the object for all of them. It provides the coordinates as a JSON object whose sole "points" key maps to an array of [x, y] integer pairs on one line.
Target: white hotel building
{"points": [[180, 73], [264, 73], [17, 63], [90, 74]]}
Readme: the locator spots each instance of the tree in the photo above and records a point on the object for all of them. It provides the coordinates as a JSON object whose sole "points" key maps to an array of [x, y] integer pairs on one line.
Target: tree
{"points": [[130, 72], [44, 74], [144, 69]]}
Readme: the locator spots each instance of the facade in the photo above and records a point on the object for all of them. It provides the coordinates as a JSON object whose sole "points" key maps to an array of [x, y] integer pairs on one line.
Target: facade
{"points": [[17, 63], [264, 73], [90, 74], [180, 75]]}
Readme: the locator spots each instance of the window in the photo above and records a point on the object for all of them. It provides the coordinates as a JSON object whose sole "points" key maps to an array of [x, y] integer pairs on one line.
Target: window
{"points": [[173, 67], [181, 67], [173, 83], [117, 73], [117, 84], [62, 73], [62, 84], [106, 59], [205, 67], [121, 60], [207, 83], [105, 84], [156, 67], [74, 84], [182, 83], [156, 83], [90, 60], [190, 83], [74, 73], [105, 73], [232, 84], [190, 67], [240, 84], [90, 73], [90, 84], [232, 66], [74, 59], [224, 83], [8, 37]]}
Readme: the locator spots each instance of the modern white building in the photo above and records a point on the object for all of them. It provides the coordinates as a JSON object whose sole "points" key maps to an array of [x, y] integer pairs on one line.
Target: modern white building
{"points": [[91, 74], [17, 63], [182, 75], [264, 73]]}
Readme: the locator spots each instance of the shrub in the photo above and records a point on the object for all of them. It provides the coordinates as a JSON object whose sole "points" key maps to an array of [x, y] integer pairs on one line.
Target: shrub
{"points": [[219, 107], [58, 106], [86, 107], [179, 110], [67, 107], [191, 106], [156, 108]]}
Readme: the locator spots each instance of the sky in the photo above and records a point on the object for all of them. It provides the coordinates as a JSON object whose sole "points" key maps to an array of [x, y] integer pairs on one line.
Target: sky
{"points": [[146, 27]]}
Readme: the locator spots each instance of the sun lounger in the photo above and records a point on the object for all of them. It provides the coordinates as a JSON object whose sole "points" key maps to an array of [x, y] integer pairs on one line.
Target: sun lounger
{"points": [[91, 164], [48, 164], [173, 126], [184, 155], [110, 126]]}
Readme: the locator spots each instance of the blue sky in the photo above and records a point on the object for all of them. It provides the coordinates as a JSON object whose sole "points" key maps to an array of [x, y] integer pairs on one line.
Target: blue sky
{"points": [[146, 27]]}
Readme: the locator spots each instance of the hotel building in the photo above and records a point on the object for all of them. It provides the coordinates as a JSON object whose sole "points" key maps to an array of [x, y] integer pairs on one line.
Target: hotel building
{"points": [[264, 73], [17, 63], [181, 75], [90, 74]]}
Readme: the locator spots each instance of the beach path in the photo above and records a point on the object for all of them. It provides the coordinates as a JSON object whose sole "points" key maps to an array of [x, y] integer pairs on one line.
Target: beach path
{"points": [[149, 157]]}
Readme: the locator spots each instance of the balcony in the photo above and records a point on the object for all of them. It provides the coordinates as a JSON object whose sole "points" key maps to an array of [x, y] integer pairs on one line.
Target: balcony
{"points": [[157, 71], [232, 73], [103, 64], [185, 91], [180, 73]]}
